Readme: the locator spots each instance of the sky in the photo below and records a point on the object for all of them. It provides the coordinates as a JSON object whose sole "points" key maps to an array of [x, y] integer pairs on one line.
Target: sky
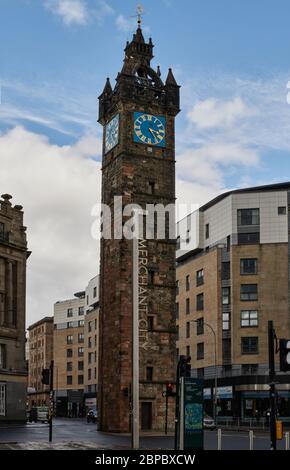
{"points": [[232, 60]]}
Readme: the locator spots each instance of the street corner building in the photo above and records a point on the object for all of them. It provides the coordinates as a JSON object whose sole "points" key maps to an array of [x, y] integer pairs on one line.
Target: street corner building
{"points": [[232, 278], [138, 165], [13, 256]]}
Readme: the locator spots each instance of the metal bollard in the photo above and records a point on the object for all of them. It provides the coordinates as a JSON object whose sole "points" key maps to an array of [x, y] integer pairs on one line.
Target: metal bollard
{"points": [[219, 436], [251, 437], [286, 440]]}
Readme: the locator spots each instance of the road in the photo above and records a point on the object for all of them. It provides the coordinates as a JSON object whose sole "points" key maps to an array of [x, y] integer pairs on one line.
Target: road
{"points": [[77, 430]]}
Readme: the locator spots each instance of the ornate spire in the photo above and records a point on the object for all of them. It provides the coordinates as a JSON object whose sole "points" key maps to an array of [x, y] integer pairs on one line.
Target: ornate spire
{"points": [[158, 71], [107, 88], [170, 80]]}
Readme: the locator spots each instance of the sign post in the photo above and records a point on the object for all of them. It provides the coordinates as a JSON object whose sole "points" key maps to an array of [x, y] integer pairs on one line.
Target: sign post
{"points": [[192, 414]]}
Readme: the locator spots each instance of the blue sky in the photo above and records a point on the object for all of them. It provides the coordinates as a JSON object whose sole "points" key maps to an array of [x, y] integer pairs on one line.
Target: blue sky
{"points": [[232, 60]]}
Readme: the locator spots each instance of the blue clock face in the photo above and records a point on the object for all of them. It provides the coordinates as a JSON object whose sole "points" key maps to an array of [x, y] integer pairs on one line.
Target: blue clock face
{"points": [[112, 133], [149, 129]]}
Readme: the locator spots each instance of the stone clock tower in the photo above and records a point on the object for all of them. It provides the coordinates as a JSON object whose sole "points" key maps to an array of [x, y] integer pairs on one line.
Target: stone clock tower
{"points": [[139, 166]]}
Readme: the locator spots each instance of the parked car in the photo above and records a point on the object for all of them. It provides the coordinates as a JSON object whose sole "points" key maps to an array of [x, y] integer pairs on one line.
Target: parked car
{"points": [[92, 416], [208, 422]]}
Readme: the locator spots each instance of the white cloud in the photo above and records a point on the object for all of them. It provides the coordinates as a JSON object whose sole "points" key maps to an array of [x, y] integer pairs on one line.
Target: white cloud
{"points": [[70, 11], [215, 113], [57, 186]]}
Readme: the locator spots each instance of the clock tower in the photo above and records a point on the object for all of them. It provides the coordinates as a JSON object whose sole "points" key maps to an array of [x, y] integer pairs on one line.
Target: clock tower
{"points": [[138, 166]]}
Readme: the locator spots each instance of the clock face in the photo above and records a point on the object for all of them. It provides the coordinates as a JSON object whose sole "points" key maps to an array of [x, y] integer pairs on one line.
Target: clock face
{"points": [[112, 133], [149, 129]]}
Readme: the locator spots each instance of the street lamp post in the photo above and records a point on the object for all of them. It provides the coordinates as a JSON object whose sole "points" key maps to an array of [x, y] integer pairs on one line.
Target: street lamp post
{"points": [[215, 371]]}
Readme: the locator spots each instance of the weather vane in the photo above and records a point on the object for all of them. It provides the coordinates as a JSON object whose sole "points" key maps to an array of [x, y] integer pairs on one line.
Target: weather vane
{"points": [[139, 14]]}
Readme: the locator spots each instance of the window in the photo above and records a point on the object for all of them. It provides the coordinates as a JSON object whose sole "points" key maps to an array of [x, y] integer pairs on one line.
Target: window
{"points": [[2, 399], [199, 326], [151, 187], [89, 374], [2, 230], [81, 310], [200, 351], [80, 365], [178, 243], [199, 277], [69, 380], [249, 266], [282, 210], [226, 295], [80, 379], [177, 287], [187, 329], [177, 310], [200, 372], [2, 356], [150, 320], [95, 324], [90, 356], [95, 292], [87, 300], [70, 324], [95, 340], [226, 271], [69, 366], [80, 352], [149, 374], [250, 345], [90, 326], [228, 243], [95, 356], [69, 312], [177, 352], [177, 333], [69, 353], [226, 349], [248, 217], [199, 302], [95, 373], [249, 292], [187, 306], [187, 236], [187, 282], [248, 238], [249, 318], [69, 339], [226, 321], [81, 337], [188, 350], [249, 369], [207, 231]]}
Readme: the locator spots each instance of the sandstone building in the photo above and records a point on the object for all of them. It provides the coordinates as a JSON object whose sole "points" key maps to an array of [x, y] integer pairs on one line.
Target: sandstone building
{"points": [[138, 165], [13, 256], [40, 347], [233, 276]]}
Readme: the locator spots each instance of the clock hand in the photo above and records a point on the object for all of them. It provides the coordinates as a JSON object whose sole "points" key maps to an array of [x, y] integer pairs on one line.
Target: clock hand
{"points": [[153, 132]]}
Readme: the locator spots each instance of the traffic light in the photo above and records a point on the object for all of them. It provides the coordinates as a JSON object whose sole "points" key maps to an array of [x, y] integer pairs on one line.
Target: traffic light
{"points": [[169, 390], [184, 366], [45, 377], [284, 346]]}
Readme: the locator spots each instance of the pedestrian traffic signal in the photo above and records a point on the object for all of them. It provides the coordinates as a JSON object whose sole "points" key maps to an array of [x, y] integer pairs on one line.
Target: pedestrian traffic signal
{"points": [[169, 390], [45, 377], [184, 366], [284, 346]]}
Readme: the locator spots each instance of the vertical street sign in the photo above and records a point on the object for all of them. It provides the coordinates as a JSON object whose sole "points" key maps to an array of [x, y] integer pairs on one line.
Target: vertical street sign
{"points": [[192, 413], [135, 348]]}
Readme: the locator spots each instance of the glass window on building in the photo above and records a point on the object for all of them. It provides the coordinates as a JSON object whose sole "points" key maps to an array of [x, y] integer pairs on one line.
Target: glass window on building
{"points": [[150, 321], [69, 366], [81, 323], [226, 295], [69, 339], [250, 345], [252, 238], [249, 369], [80, 379], [149, 374], [177, 287], [188, 350], [200, 351], [207, 231], [187, 282], [177, 310], [187, 306], [80, 365], [249, 292], [80, 352], [81, 337], [69, 380], [200, 326], [199, 277], [248, 217], [199, 302], [2, 356], [89, 374], [282, 210], [2, 399], [69, 312], [81, 310], [69, 353], [70, 324], [178, 243], [90, 326], [249, 318], [95, 292], [226, 321], [187, 333], [226, 270], [249, 266]]}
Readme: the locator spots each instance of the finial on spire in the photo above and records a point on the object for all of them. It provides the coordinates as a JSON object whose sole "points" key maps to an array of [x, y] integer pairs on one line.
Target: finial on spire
{"points": [[158, 71], [139, 15]]}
